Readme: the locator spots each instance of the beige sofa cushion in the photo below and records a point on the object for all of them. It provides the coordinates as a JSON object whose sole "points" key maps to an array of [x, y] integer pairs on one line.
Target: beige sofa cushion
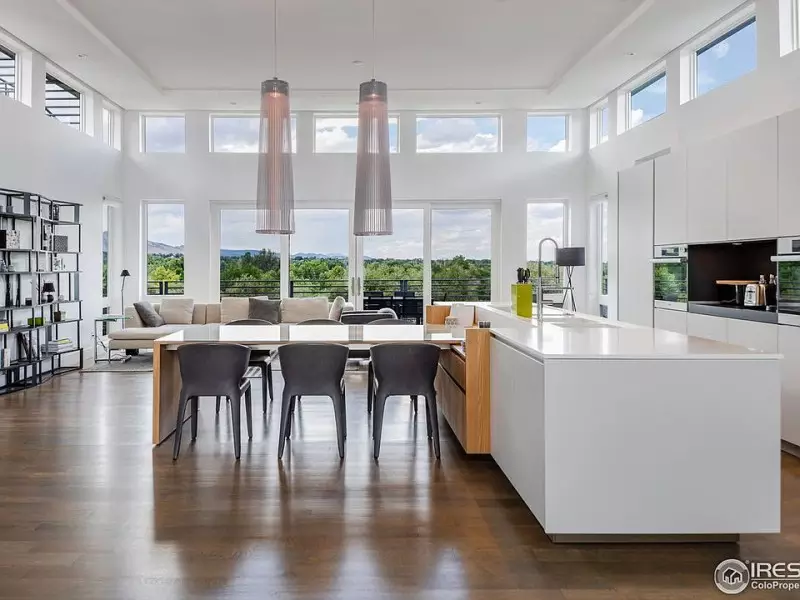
{"points": [[177, 311], [233, 309], [213, 313], [295, 310], [199, 314]]}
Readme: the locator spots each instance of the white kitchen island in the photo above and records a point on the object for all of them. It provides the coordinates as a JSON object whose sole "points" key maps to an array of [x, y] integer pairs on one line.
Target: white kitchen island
{"points": [[614, 431]]}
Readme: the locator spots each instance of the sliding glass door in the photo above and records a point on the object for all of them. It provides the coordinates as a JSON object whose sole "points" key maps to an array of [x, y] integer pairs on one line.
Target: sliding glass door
{"points": [[461, 255], [320, 254], [249, 263]]}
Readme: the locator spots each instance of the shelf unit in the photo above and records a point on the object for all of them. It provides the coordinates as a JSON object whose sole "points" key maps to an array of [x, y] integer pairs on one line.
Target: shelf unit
{"points": [[23, 272]]}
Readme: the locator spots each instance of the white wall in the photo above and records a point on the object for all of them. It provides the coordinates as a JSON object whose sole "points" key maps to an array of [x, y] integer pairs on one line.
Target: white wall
{"points": [[772, 89], [200, 177], [44, 156]]}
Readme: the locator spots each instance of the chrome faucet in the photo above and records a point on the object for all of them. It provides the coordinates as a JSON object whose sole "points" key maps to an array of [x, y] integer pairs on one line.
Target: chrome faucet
{"points": [[539, 295]]}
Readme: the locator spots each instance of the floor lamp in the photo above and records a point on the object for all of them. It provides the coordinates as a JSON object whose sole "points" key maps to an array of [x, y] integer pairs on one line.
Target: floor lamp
{"points": [[125, 274], [569, 258]]}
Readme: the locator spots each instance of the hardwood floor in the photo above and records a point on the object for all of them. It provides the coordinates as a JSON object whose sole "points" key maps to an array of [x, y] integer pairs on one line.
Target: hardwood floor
{"points": [[88, 510]]}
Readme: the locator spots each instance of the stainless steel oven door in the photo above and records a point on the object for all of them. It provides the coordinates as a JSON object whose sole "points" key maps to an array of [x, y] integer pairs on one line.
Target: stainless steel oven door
{"points": [[670, 283], [788, 266]]}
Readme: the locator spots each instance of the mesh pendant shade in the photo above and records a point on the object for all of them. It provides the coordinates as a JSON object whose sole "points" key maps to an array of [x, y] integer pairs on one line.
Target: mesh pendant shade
{"points": [[275, 193], [373, 205]]}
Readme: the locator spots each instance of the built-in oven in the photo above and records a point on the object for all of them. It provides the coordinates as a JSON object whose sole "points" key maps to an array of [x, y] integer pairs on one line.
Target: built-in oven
{"points": [[788, 292], [671, 277]]}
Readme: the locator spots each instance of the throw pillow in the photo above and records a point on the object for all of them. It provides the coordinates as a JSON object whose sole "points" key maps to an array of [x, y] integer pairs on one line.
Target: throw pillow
{"points": [[148, 314], [337, 306], [233, 309], [266, 310], [177, 311], [295, 310]]}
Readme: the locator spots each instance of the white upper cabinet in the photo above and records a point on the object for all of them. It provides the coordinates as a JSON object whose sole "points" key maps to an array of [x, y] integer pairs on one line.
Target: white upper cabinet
{"points": [[706, 189], [789, 174], [752, 177], [635, 238], [670, 203]]}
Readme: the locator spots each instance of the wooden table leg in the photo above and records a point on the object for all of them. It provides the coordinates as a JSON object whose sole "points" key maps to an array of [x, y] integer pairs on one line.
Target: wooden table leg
{"points": [[166, 391]]}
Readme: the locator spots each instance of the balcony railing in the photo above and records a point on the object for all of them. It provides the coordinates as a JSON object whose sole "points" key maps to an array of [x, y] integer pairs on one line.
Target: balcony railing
{"points": [[164, 288]]}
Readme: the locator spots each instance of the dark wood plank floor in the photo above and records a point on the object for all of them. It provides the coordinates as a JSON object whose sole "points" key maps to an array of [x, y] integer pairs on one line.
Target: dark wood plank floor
{"points": [[88, 510]]}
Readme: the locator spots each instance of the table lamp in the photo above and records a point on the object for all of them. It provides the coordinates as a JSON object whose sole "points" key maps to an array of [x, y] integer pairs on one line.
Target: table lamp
{"points": [[49, 289], [569, 258], [125, 273]]}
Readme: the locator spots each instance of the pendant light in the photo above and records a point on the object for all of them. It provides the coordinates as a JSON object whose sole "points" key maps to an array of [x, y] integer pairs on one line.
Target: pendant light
{"points": [[275, 192], [373, 203]]}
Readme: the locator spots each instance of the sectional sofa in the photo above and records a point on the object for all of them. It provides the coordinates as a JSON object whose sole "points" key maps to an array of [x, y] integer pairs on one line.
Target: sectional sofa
{"points": [[136, 336]]}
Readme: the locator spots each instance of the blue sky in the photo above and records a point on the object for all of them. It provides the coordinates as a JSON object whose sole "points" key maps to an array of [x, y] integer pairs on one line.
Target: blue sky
{"points": [[728, 60], [547, 133], [649, 102], [458, 134]]}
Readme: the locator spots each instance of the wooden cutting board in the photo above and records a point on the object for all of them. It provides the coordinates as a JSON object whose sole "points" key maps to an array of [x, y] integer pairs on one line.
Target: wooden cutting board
{"points": [[735, 282]]}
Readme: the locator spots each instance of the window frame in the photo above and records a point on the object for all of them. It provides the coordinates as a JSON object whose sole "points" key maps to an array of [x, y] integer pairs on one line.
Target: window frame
{"points": [[242, 115], [740, 20], [145, 217], [471, 115], [596, 124], [14, 55], [68, 86], [640, 84], [567, 131], [143, 130], [347, 115]]}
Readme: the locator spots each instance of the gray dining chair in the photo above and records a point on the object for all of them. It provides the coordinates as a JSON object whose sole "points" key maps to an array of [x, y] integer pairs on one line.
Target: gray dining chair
{"points": [[261, 359], [319, 322], [404, 370], [370, 372], [311, 369], [214, 370]]}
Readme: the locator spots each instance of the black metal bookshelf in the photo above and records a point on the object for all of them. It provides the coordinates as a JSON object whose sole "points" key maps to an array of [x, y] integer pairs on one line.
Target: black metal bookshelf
{"points": [[40, 243]]}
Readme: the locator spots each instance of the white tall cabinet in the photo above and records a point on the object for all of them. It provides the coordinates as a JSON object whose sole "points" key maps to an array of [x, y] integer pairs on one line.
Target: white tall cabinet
{"points": [[670, 199], [635, 237], [789, 174], [706, 188], [752, 181]]}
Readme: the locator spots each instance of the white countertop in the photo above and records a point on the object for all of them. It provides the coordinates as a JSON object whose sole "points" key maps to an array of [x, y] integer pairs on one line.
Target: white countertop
{"points": [[580, 336]]}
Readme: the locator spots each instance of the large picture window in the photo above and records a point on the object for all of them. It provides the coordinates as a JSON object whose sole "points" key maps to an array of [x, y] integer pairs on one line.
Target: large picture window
{"points": [[165, 236], [320, 250], [546, 220], [249, 262], [461, 254]]}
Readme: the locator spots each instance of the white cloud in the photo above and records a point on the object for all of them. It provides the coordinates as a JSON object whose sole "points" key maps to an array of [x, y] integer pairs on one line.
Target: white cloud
{"points": [[165, 224], [454, 135], [466, 232], [637, 117], [544, 220], [721, 50], [538, 145], [561, 146], [337, 135]]}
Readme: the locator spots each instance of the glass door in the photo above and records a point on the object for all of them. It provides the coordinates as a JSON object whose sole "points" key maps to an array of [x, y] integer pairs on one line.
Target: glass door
{"points": [[390, 268], [319, 254]]}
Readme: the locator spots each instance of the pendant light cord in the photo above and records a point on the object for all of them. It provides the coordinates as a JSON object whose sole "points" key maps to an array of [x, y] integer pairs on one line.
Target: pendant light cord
{"points": [[374, 51], [275, 37]]}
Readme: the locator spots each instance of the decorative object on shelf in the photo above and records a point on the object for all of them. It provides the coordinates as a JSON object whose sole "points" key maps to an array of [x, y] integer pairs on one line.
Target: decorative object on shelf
{"points": [[24, 346], [10, 268], [61, 298], [275, 190], [55, 212], [3, 266], [569, 258], [18, 300], [523, 275], [58, 263], [59, 315], [60, 243], [28, 302], [9, 239], [125, 274], [4, 327], [49, 289], [45, 245], [373, 201], [5, 358]]}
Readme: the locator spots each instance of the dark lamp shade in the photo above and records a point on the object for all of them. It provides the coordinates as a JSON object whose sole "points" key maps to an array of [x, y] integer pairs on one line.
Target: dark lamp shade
{"points": [[48, 287], [571, 257], [125, 273]]}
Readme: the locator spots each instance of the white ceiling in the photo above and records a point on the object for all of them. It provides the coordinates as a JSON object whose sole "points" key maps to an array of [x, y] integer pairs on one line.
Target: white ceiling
{"points": [[210, 54]]}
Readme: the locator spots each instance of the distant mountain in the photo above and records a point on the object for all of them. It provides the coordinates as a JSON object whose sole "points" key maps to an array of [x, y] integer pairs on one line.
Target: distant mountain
{"points": [[159, 248], [226, 253]]}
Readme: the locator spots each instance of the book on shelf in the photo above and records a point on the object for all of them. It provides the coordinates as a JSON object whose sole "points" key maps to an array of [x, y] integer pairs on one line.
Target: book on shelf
{"points": [[5, 358], [4, 326]]}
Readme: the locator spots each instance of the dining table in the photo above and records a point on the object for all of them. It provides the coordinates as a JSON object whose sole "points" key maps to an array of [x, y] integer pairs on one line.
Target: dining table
{"points": [[166, 369]]}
